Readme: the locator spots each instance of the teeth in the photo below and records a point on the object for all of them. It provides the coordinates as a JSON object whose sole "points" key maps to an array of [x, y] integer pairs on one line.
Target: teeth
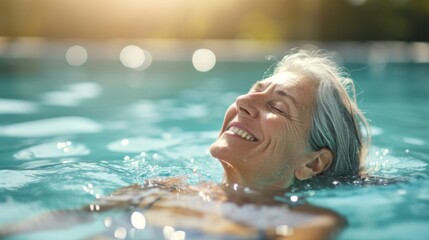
{"points": [[243, 134]]}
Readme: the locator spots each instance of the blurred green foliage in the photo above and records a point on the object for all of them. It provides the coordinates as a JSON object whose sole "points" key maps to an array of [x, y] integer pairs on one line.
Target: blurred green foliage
{"points": [[324, 20]]}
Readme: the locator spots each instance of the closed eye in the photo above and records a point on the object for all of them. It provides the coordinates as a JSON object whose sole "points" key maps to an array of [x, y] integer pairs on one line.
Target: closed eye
{"points": [[280, 111]]}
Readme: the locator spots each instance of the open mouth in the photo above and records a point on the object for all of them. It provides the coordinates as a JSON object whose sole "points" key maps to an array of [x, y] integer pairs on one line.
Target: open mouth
{"points": [[242, 133]]}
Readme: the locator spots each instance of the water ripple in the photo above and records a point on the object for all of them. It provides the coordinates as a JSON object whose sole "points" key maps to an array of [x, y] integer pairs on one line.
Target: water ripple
{"points": [[51, 127], [12, 106], [72, 95], [52, 149], [136, 145], [10, 179]]}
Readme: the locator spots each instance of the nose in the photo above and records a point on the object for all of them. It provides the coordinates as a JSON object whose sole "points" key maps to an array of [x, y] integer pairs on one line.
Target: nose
{"points": [[247, 105]]}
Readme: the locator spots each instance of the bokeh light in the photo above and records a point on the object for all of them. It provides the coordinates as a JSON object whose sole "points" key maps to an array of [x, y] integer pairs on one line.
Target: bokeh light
{"points": [[138, 220], [168, 232], [76, 55], [134, 57], [203, 60], [120, 233], [108, 221]]}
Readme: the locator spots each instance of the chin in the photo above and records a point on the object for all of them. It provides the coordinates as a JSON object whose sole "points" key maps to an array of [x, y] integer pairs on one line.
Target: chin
{"points": [[222, 151], [217, 150]]}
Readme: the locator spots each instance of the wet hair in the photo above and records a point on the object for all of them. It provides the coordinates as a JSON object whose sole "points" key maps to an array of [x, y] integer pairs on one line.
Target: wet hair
{"points": [[337, 122]]}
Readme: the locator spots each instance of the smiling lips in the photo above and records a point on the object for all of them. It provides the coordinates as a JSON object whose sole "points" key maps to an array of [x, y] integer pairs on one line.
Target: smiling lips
{"points": [[242, 133]]}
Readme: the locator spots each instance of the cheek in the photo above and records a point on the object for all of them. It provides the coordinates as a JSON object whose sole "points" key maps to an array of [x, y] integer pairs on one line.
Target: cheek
{"points": [[272, 117], [284, 139], [275, 126]]}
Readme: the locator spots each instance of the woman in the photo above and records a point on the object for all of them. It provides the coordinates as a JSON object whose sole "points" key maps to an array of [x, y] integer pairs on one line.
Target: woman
{"points": [[297, 124], [294, 125]]}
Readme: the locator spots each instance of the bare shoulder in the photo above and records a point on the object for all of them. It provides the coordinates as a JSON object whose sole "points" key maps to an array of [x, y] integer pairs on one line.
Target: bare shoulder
{"points": [[333, 218], [326, 224]]}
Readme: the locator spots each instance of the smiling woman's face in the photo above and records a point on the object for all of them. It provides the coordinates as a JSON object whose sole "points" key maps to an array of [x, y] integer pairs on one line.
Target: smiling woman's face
{"points": [[264, 137]]}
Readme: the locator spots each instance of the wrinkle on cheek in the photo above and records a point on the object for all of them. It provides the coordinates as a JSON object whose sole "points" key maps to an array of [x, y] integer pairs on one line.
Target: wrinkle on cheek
{"points": [[275, 168], [297, 128]]}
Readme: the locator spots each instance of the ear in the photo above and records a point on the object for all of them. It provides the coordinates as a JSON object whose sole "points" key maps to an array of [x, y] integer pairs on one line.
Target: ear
{"points": [[320, 161]]}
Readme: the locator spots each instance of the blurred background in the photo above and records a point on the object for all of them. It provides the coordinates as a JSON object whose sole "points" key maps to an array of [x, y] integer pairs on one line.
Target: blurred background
{"points": [[275, 20], [254, 26]]}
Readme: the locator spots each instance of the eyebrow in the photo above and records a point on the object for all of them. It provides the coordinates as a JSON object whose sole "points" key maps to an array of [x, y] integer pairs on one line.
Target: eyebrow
{"points": [[286, 94], [279, 92]]}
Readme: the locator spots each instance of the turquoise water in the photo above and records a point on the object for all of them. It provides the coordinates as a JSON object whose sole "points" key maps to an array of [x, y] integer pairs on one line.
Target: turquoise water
{"points": [[71, 134]]}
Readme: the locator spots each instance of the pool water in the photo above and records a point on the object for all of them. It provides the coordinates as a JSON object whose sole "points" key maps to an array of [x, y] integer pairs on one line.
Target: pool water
{"points": [[72, 134]]}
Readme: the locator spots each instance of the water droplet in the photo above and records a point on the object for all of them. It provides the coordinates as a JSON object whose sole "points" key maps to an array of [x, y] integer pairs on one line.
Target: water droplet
{"points": [[385, 151], [294, 198]]}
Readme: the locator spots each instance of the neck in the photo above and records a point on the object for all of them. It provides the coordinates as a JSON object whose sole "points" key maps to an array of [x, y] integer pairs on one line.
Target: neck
{"points": [[252, 180], [241, 189]]}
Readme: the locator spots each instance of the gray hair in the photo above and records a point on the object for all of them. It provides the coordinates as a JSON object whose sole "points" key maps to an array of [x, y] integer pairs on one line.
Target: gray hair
{"points": [[337, 123]]}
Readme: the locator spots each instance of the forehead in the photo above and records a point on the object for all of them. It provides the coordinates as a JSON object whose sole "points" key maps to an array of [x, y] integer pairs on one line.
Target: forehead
{"points": [[299, 87], [289, 81]]}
